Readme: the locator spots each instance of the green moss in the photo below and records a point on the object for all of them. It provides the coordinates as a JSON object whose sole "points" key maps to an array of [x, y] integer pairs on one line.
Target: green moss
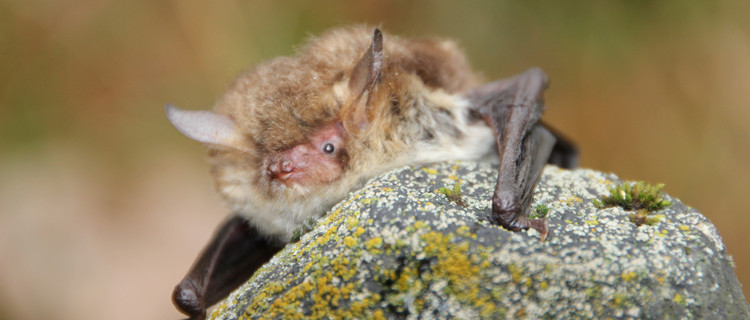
{"points": [[642, 217], [296, 235], [639, 196], [453, 194], [306, 227], [540, 211], [636, 196]]}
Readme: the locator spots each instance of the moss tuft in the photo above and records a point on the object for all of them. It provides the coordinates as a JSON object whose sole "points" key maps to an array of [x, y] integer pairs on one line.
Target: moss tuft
{"points": [[540, 211], [453, 194], [639, 196], [305, 228]]}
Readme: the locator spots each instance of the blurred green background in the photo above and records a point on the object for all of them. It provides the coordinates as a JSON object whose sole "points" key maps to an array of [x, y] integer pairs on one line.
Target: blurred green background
{"points": [[103, 205]]}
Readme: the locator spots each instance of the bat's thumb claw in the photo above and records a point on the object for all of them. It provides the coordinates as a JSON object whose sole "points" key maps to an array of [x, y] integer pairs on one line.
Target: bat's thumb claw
{"points": [[186, 298]]}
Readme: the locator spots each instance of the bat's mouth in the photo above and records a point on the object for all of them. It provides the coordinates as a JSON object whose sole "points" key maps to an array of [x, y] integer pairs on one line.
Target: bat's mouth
{"points": [[284, 177], [289, 179]]}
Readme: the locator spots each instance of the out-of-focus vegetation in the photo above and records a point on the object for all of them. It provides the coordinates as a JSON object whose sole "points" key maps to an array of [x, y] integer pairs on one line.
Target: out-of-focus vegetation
{"points": [[103, 205]]}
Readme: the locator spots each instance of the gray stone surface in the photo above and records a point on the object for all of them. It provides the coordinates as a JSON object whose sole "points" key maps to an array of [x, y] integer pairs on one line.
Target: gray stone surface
{"points": [[399, 249]]}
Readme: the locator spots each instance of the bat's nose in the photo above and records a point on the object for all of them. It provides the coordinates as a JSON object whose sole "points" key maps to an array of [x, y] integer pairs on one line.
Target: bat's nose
{"points": [[280, 168]]}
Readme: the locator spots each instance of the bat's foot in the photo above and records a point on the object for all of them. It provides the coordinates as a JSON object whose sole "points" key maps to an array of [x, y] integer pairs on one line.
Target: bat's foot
{"points": [[541, 226], [511, 218]]}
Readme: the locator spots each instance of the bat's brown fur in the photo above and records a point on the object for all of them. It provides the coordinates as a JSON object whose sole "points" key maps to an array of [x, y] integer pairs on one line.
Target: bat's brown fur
{"points": [[416, 114]]}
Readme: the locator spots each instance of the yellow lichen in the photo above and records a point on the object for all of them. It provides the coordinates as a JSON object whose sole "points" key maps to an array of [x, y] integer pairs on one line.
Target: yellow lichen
{"points": [[466, 232], [486, 307], [678, 299], [326, 292], [628, 276], [573, 200], [515, 272], [374, 243], [419, 304], [324, 288], [359, 231], [274, 288], [378, 315], [617, 300], [351, 222], [436, 243], [218, 311], [349, 241], [369, 201], [419, 225]]}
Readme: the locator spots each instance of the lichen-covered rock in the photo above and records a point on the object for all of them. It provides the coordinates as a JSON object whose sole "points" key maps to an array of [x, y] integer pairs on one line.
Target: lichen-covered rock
{"points": [[399, 248]]}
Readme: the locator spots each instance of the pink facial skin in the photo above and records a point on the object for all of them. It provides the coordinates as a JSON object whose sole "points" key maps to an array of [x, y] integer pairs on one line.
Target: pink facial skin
{"points": [[318, 161]]}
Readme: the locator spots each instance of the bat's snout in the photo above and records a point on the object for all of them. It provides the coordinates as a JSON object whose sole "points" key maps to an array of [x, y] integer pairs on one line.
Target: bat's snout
{"points": [[280, 168]]}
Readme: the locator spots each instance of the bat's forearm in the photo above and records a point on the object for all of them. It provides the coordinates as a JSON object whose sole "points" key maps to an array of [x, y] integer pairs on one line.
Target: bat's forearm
{"points": [[512, 108]]}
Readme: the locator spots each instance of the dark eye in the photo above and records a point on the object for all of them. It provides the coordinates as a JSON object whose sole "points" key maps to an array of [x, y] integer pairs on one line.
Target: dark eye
{"points": [[329, 148]]}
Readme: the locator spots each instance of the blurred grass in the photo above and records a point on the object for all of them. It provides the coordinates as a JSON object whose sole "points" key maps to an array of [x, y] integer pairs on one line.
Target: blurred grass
{"points": [[98, 194]]}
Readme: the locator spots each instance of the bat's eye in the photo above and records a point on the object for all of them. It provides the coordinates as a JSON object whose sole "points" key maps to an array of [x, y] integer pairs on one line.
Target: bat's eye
{"points": [[329, 148]]}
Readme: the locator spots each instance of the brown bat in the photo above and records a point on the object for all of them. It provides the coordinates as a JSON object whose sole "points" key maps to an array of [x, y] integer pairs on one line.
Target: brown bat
{"points": [[295, 135]]}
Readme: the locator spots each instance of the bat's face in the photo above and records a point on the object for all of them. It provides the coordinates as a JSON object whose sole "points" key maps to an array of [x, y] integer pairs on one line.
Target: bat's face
{"points": [[318, 161], [294, 145]]}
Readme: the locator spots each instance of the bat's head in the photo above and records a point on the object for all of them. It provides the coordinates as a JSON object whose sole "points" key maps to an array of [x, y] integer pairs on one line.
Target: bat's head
{"points": [[295, 134]]}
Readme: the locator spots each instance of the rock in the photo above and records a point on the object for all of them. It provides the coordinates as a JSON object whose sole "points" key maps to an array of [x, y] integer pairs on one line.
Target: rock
{"points": [[399, 249]]}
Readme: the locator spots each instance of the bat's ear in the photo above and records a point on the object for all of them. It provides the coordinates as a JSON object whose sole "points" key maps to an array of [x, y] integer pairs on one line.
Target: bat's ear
{"points": [[362, 82], [206, 127]]}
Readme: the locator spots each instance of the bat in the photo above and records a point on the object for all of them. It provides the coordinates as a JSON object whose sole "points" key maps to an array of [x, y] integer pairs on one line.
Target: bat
{"points": [[294, 135]]}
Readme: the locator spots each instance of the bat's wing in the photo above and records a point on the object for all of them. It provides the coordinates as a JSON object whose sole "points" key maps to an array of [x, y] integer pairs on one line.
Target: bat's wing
{"points": [[234, 253], [537, 148], [512, 107]]}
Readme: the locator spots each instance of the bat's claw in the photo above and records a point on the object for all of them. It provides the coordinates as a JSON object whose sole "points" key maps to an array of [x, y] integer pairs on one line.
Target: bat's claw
{"points": [[541, 226], [513, 220]]}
